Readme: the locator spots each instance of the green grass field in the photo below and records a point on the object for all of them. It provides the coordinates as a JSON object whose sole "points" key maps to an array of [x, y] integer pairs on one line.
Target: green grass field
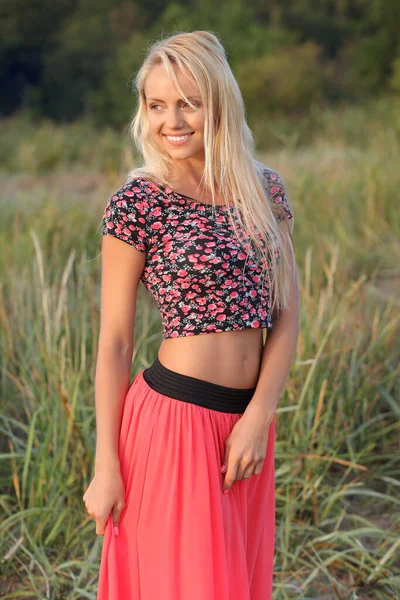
{"points": [[337, 448]]}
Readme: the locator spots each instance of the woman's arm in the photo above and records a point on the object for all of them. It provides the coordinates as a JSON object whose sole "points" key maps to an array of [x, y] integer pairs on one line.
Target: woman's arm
{"points": [[122, 267], [111, 386], [124, 248], [121, 270]]}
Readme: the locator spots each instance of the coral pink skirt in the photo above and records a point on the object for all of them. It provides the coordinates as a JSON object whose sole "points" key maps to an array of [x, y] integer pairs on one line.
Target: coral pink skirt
{"points": [[180, 537]]}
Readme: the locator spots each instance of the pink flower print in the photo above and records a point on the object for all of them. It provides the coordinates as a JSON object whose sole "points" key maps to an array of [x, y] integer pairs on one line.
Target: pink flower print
{"points": [[156, 212], [156, 225]]}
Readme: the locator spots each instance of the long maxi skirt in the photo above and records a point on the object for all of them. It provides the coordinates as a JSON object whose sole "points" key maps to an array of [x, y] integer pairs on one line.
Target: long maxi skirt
{"points": [[180, 537]]}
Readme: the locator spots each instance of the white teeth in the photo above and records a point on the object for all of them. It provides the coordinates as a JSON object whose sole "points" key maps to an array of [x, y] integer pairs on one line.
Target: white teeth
{"points": [[178, 139]]}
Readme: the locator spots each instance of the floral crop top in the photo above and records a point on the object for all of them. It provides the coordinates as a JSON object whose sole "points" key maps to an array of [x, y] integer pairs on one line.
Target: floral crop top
{"points": [[194, 268]]}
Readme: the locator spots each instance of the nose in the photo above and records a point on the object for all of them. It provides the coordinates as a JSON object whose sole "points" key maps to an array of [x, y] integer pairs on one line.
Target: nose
{"points": [[174, 119]]}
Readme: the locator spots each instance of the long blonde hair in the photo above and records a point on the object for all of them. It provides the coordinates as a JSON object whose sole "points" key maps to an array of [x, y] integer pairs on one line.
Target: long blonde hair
{"points": [[230, 165]]}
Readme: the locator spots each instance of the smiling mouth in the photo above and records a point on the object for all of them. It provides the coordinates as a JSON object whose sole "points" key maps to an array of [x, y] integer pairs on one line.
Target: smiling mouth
{"points": [[178, 134]]}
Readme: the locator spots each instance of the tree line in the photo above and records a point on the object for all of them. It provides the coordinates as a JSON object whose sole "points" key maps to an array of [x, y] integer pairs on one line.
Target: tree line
{"points": [[72, 58]]}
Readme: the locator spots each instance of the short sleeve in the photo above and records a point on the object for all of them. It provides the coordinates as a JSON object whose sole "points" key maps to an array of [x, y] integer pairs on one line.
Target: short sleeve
{"points": [[124, 216], [276, 191]]}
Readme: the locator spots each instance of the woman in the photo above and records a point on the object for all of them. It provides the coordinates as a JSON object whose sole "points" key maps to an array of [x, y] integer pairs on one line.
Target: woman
{"points": [[183, 490]]}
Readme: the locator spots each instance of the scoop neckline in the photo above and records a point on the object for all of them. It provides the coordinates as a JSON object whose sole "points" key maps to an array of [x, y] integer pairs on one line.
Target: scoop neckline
{"points": [[169, 191]]}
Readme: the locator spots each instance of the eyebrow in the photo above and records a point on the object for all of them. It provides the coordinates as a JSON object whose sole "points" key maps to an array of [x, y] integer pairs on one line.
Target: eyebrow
{"points": [[158, 100]]}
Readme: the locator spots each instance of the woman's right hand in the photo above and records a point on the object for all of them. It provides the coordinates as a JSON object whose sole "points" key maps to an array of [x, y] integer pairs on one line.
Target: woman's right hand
{"points": [[105, 494]]}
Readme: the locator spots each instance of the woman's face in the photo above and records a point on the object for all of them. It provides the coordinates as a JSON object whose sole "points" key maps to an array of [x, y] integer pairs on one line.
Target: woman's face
{"points": [[169, 115]]}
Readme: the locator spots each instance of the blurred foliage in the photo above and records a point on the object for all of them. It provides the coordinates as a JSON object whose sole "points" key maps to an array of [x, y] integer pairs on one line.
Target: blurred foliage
{"points": [[288, 82], [41, 146], [77, 58]]}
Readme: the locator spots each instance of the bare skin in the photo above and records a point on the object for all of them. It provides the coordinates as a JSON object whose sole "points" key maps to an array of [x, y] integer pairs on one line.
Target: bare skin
{"points": [[231, 358]]}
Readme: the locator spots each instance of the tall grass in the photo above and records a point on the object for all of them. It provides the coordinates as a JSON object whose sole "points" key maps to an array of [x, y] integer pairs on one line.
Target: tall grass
{"points": [[337, 448]]}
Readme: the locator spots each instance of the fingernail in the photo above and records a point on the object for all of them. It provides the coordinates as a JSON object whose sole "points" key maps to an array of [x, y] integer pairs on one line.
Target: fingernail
{"points": [[226, 491], [223, 469], [116, 529]]}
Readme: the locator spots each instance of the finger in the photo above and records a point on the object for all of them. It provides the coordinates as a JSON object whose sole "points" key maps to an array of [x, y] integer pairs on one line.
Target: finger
{"points": [[100, 525], [249, 470], [116, 511], [259, 467], [241, 470], [116, 516], [230, 476]]}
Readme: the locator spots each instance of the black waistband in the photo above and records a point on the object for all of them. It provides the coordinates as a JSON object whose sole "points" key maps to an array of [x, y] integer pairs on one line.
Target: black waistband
{"points": [[197, 391]]}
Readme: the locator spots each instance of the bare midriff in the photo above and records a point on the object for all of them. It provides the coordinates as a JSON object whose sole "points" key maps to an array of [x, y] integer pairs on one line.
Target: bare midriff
{"points": [[229, 358]]}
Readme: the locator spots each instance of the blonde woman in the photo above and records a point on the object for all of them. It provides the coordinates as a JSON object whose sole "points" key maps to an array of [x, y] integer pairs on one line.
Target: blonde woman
{"points": [[183, 491]]}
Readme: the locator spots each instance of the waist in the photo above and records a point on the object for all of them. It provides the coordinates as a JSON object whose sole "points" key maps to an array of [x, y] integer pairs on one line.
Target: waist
{"points": [[197, 391]]}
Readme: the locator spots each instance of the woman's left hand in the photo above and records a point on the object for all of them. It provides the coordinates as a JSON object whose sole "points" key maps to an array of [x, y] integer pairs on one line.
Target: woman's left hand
{"points": [[246, 446]]}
